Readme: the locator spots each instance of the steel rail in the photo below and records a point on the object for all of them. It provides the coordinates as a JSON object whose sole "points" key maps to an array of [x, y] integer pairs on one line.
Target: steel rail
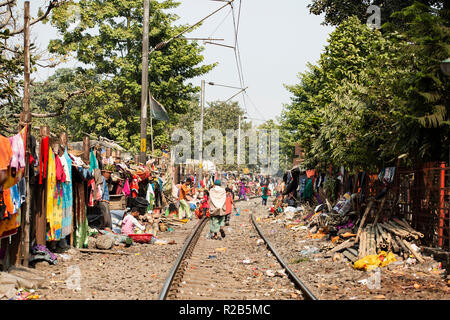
{"points": [[292, 275], [176, 265], [175, 268]]}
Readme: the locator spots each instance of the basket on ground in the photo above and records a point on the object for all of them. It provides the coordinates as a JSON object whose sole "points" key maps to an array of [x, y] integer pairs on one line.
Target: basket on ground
{"points": [[141, 238]]}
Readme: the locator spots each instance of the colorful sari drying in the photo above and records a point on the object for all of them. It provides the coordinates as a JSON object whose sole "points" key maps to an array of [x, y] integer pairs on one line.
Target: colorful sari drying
{"points": [[54, 201], [66, 223]]}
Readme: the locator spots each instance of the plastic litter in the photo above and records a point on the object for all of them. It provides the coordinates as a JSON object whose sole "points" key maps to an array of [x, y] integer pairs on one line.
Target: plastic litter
{"points": [[309, 250], [373, 261]]}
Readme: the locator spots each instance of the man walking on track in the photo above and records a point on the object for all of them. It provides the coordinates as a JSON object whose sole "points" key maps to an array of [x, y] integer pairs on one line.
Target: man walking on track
{"points": [[184, 210], [217, 198]]}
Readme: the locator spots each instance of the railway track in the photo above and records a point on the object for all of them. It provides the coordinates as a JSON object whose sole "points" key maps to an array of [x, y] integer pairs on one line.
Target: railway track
{"points": [[239, 267]]}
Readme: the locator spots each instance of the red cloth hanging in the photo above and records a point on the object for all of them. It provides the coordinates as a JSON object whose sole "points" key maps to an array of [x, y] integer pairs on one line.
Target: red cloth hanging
{"points": [[60, 175], [43, 159]]}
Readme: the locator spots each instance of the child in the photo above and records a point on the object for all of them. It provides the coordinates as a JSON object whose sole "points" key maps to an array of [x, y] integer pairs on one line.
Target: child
{"points": [[130, 222], [204, 208], [229, 202], [264, 195]]}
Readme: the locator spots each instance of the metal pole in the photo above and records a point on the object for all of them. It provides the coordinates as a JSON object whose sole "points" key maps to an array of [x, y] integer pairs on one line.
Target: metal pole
{"points": [[144, 90], [239, 145], [201, 130]]}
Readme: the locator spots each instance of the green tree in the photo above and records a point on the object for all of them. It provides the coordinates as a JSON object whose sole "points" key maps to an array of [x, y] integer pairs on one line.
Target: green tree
{"points": [[12, 60], [107, 39], [337, 11]]}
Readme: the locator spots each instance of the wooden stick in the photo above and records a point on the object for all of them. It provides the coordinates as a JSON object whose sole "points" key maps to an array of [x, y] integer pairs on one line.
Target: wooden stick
{"points": [[103, 251], [401, 244], [379, 237], [361, 225], [391, 230], [414, 252], [403, 228], [379, 211], [346, 244], [349, 256], [392, 243], [353, 251], [362, 245], [408, 227]]}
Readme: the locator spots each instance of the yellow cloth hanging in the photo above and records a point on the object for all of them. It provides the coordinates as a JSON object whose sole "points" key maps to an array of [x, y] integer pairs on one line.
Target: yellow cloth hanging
{"points": [[54, 211]]}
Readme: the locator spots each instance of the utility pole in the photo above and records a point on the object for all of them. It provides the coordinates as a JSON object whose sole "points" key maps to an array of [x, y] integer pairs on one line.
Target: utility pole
{"points": [[239, 146], [145, 88], [26, 121], [202, 102]]}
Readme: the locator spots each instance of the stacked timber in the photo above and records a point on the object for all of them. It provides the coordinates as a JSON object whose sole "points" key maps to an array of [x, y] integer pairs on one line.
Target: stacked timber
{"points": [[395, 235]]}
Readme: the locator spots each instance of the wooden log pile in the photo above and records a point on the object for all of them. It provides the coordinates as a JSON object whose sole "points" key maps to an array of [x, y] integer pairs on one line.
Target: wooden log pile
{"points": [[394, 235]]}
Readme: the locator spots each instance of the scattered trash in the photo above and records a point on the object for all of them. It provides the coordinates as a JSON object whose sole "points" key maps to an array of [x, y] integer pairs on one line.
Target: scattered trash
{"points": [[373, 261], [270, 273], [259, 242], [246, 261], [65, 257], [161, 242], [212, 257], [221, 249], [309, 250]]}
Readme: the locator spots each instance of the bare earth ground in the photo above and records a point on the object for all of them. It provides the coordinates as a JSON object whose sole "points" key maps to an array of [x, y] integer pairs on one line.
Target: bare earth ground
{"points": [[338, 280], [141, 274]]}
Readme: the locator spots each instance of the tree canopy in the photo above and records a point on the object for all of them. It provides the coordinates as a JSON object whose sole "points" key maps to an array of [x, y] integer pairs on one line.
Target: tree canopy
{"points": [[106, 37], [375, 95]]}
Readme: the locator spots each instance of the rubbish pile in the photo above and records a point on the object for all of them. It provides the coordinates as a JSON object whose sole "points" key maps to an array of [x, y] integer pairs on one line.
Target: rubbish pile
{"points": [[369, 237]]}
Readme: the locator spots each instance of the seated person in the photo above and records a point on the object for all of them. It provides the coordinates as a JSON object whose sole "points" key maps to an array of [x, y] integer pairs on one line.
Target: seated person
{"points": [[290, 200], [130, 222]]}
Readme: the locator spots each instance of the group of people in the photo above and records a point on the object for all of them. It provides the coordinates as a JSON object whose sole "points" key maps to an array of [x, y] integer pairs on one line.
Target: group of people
{"points": [[214, 202]]}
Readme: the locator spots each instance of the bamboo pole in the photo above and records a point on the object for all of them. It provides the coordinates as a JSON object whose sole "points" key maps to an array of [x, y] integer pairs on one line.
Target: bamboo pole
{"points": [[362, 244], [408, 227], [414, 252], [393, 243], [401, 244], [379, 211], [392, 230], [363, 220]]}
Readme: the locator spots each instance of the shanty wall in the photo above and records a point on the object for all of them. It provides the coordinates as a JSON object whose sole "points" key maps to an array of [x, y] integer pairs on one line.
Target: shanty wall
{"points": [[421, 195]]}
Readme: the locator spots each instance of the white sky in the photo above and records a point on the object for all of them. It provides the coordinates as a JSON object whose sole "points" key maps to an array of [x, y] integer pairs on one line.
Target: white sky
{"points": [[276, 40]]}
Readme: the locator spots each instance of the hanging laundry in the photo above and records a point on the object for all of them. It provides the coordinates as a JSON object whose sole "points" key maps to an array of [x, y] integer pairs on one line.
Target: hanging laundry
{"points": [[126, 188], [60, 175], [6, 153], [66, 223], [15, 197], [22, 190], [54, 200], [134, 187], [65, 166], [93, 162], [6, 204], [43, 160], [18, 149], [150, 197], [8, 225]]}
